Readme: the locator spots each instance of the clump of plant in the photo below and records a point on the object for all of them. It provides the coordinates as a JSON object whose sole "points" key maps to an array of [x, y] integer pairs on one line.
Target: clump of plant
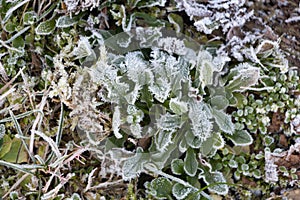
{"points": [[176, 103]]}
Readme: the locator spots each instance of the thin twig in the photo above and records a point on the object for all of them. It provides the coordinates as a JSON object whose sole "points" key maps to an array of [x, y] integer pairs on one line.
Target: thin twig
{"points": [[11, 81], [20, 180], [37, 121], [106, 184]]}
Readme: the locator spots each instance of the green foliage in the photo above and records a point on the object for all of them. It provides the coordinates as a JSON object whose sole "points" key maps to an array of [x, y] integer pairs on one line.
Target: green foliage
{"points": [[160, 188]]}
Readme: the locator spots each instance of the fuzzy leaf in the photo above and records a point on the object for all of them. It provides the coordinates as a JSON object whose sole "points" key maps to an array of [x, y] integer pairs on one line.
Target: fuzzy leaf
{"points": [[162, 140], [133, 166], [223, 120], [206, 73], [214, 180], [161, 188], [169, 122], [160, 89], [178, 107], [192, 140], [200, 119], [45, 28], [207, 146], [219, 102], [243, 76], [190, 162], [241, 138], [66, 21], [180, 191], [177, 166], [182, 146]]}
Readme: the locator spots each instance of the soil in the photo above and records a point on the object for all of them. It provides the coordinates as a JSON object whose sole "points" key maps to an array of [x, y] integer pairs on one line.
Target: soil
{"points": [[278, 15]]}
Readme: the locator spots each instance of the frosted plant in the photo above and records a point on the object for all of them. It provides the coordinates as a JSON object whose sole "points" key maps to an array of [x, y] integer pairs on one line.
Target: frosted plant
{"points": [[214, 14], [175, 95], [201, 123], [76, 6], [172, 45], [271, 173]]}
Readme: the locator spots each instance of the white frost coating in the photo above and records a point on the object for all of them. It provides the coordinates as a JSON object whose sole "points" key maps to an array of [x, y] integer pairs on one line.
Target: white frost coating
{"points": [[73, 5], [201, 125], [116, 122], [271, 174], [210, 16], [293, 19], [172, 45], [83, 48]]}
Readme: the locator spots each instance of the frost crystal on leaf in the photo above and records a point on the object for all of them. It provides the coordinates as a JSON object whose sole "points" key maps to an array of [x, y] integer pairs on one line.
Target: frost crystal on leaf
{"points": [[201, 125], [116, 122], [172, 45], [210, 16], [83, 48], [271, 174]]}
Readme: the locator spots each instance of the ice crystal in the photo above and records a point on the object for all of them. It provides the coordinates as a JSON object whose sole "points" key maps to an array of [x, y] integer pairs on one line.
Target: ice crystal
{"points": [[75, 5], [214, 14], [200, 119], [271, 174]]}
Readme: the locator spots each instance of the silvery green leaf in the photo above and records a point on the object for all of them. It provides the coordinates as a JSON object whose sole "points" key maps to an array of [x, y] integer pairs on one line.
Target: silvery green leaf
{"points": [[211, 145], [223, 120], [200, 120], [219, 140], [206, 73], [182, 146], [241, 138], [162, 139], [190, 163], [242, 77], [192, 140], [180, 191], [177, 166], [133, 95], [219, 102], [207, 147], [215, 181], [160, 188], [133, 166], [66, 21], [160, 88], [169, 122], [83, 49], [160, 158], [178, 107], [232, 164], [136, 130], [45, 28]]}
